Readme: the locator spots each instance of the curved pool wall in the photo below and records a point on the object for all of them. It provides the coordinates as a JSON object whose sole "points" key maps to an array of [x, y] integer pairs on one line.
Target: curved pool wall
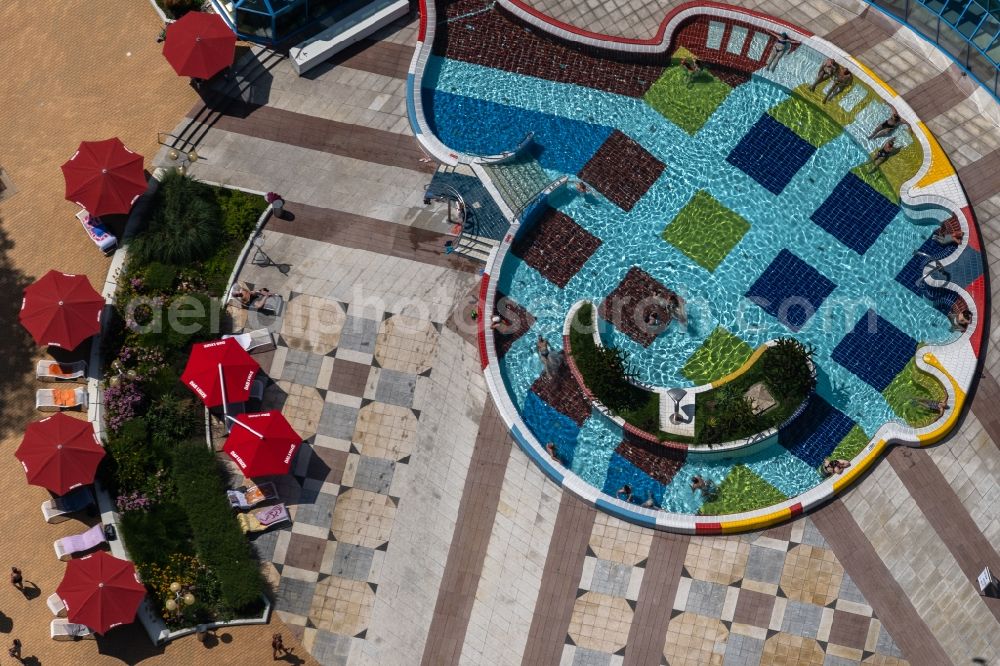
{"points": [[934, 185]]}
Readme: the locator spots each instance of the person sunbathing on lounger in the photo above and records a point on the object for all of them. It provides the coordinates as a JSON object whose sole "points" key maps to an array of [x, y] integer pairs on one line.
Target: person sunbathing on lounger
{"points": [[826, 71], [888, 125], [246, 296], [840, 84], [887, 150]]}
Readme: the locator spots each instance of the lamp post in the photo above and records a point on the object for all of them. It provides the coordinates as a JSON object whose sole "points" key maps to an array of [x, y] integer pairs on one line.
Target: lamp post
{"points": [[676, 394], [185, 159], [182, 597]]}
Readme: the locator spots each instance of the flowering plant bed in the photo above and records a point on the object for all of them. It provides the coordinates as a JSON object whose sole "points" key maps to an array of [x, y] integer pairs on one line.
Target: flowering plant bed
{"points": [[175, 521]]}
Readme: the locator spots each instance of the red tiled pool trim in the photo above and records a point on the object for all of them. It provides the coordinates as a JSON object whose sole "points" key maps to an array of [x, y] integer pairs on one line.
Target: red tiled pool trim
{"points": [[929, 182]]}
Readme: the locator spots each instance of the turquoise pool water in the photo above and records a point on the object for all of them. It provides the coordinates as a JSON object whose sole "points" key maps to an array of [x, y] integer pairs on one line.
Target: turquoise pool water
{"points": [[483, 110]]}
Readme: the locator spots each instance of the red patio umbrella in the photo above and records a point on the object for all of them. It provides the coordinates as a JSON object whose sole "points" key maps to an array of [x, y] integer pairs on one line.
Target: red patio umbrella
{"points": [[101, 591], [220, 372], [60, 453], [199, 45], [61, 310], [104, 177], [262, 444]]}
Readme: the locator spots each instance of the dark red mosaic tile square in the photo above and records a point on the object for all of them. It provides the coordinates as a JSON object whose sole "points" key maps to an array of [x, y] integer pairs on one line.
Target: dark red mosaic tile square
{"points": [[496, 39], [516, 321], [622, 170], [556, 246], [660, 462], [637, 302], [561, 391], [732, 68]]}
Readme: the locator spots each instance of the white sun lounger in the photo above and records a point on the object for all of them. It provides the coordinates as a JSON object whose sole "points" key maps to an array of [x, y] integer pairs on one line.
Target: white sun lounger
{"points": [[48, 370], [259, 340], [54, 400], [264, 519], [56, 605], [252, 496], [102, 238], [59, 509], [79, 543], [64, 630]]}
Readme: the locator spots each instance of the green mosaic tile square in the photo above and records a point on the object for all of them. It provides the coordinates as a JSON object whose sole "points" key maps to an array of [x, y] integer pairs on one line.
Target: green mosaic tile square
{"points": [[741, 490], [720, 354], [910, 394], [687, 106], [705, 230], [851, 445], [888, 179], [806, 120]]}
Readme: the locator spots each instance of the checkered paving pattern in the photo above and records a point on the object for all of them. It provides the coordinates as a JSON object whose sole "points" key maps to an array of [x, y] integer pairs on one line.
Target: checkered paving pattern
{"points": [[771, 154], [855, 214], [556, 246], [815, 432], [875, 350], [493, 39], [781, 597], [637, 299], [790, 290], [355, 405], [622, 170]]}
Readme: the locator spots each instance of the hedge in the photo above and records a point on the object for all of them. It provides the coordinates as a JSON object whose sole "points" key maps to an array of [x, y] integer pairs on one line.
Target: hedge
{"points": [[218, 538]]}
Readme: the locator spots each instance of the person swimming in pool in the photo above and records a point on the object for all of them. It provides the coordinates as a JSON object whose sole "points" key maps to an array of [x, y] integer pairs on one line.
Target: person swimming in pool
{"points": [[887, 150], [841, 83], [782, 45]]}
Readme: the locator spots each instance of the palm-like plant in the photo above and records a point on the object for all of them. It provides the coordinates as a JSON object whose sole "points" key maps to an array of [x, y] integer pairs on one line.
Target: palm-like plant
{"points": [[185, 224]]}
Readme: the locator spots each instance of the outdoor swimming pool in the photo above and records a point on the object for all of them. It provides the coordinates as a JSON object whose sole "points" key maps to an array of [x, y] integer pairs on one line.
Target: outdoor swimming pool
{"points": [[746, 199]]}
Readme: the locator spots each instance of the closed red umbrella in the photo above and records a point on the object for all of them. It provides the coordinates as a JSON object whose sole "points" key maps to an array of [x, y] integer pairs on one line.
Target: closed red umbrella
{"points": [[220, 372], [60, 453], [104, 177], [262, 444], [101, 591], [61, 310], [199, 45]]}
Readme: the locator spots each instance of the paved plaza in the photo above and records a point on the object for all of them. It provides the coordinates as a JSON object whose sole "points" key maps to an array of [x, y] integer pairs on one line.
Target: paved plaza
{"points": [[421, 534]]}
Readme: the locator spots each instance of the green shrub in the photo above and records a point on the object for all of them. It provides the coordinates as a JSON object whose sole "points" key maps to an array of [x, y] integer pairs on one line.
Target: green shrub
{"points": [[196, 318], [132, 459], [173, 418], [787, 371], [220, 543], [729, 415], [151, 536], [159, 278], [240, 212], [184, 226]]}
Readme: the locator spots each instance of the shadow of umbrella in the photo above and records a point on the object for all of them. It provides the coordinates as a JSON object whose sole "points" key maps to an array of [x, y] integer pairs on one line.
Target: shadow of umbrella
{"points": [[17, 350]]}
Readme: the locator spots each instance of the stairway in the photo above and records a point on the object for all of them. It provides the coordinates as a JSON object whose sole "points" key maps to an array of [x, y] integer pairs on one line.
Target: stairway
{"points": [[518, 180]]}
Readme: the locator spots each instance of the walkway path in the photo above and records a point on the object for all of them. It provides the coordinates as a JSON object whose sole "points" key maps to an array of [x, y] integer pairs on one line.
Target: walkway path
{"points": [[73, 71], [420, 533]]}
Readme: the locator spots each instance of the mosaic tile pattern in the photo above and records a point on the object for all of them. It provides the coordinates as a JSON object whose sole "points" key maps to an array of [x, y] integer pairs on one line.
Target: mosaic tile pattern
{"points": [[560, 391], [705, 230], [875, 350], [516, 322], [708, 43], [808, 121], [781, 600], [685, 102], [622, 170], [911, 276], [659, 462], [790, 290], [637, 298], [816, 431], [493, 39], [556, 246], [771, 154], [855, 214]]}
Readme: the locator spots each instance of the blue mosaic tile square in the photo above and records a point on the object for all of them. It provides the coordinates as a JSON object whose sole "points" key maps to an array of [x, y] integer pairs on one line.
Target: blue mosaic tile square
{"points": [[790, 290], [771, 154], [815, 432], [549, 425], [855, 214], [875, 350], [622, 471]]}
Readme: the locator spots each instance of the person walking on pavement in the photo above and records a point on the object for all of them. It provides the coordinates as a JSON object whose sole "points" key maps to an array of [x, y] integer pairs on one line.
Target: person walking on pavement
{"points": [[15, 650], [277, 646], [16, 579]]}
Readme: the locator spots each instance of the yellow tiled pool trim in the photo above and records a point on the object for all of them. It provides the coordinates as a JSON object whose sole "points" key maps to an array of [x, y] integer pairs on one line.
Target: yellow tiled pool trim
{"points": [[938, 433], [940, 167]]}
